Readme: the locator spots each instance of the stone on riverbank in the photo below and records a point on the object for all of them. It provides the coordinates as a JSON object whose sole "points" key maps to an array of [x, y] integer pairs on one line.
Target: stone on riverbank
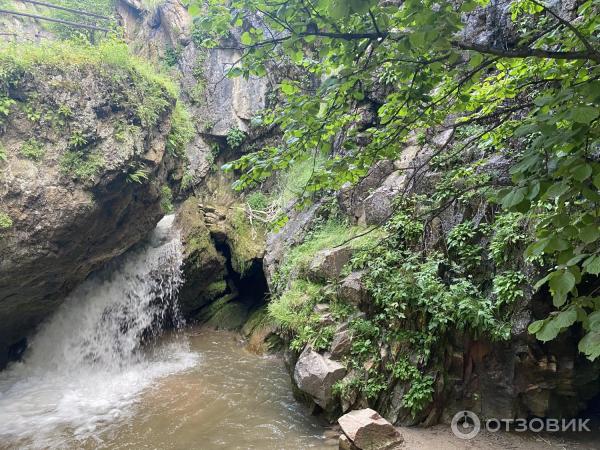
{"points": [[367, 430]]}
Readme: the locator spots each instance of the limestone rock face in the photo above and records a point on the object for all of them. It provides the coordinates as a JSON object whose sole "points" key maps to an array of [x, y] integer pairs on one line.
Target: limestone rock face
{"points": [[316, 374], [69, 214], [367, 430], [219, 103]]}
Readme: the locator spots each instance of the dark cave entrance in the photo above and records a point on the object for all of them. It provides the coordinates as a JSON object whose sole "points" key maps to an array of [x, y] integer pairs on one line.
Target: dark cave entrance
{"points": [[251, 286]]}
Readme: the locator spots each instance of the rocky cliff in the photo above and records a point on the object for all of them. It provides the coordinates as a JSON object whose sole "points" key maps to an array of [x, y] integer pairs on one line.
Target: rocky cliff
{"points": [[83, 165]]}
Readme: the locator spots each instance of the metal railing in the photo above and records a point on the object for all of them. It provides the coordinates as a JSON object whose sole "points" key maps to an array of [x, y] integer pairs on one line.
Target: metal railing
{"points": [[69, 23]]}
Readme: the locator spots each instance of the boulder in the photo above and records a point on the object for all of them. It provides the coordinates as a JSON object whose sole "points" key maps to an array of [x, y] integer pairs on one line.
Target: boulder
{"points": [[316, 374], [327, 264], [367, 430], [341, 344], [352, 289]]}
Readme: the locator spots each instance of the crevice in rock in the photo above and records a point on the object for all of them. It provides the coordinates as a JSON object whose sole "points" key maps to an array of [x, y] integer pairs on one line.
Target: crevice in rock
{"points": [[250, 287], [246, 292]]}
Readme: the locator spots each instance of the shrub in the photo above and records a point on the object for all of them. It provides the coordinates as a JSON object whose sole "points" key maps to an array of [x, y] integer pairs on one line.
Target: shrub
{"points": [[166, 199], [258, 201], [182, 131], [81, 165], [32, 149], [235, 137], [5, 221], [329, 234], [148, 92]]}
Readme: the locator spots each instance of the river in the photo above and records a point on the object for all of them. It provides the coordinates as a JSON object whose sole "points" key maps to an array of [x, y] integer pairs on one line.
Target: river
{"points": [[101, 373]]}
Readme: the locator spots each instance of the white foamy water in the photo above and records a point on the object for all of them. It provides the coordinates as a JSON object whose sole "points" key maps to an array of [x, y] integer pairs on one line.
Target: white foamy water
{"points": [[86, 367]]}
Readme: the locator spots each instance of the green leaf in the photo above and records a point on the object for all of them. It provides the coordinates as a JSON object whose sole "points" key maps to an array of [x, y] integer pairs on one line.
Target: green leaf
{"points": [[556, 244], [592, 265], [514, 197], [556, 190], [594, 321], [589, 233], [543, 100], [583, 114], [560, 285], [246, 38], [338, 9], [566, 318], [590, 345], [537, 248], [597, 180], [536, 326], [358, 95], [288, 88], [552, 327], [194, 9], [581, 172], [548, 332]]}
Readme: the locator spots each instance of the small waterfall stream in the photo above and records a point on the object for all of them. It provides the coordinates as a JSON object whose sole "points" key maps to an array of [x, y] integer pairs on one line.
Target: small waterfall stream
{"points": [[87, 365]]}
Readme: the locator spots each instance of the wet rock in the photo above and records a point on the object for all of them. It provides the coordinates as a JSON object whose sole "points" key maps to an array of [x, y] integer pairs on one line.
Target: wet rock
{"points": [[367, 430], [226, 313], [327, 264], [316, 374], [346, 444]]}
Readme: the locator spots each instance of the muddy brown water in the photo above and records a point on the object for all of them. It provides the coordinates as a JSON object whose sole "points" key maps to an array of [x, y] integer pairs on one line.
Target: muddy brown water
{"points": [[231, 399]]}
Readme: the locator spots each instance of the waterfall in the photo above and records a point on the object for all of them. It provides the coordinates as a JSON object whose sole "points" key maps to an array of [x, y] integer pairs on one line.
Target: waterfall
{"points": [[87, 365]]}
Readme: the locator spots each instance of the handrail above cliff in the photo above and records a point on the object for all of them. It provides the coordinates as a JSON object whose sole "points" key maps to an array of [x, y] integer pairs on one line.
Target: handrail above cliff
{"points": [[64, 22], [64, 8]]}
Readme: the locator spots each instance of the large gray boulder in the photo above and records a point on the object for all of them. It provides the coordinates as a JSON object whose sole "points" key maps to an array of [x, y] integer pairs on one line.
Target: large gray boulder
{"points": [[316, 374], [367, 430]]}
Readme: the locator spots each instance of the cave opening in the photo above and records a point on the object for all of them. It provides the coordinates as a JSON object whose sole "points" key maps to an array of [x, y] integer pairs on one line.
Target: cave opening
{"points": [[251, 286]]}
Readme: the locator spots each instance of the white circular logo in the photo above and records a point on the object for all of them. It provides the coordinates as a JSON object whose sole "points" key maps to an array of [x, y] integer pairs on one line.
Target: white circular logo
{"points": [[465, 424]]}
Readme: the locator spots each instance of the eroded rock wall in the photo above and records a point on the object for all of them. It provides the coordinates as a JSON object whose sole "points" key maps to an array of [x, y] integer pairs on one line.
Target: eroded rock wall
{"points": [[73, 140]]}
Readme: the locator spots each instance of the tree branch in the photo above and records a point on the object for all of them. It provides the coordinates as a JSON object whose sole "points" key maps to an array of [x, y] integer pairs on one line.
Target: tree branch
{"points": [[528, 52]]}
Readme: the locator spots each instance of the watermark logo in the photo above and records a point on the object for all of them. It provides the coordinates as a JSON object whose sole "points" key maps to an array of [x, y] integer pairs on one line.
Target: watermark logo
{"points": [[467, 425]]}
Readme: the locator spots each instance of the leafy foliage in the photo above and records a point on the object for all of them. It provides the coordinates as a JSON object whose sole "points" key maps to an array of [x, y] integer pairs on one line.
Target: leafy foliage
{"points": [[537, 101], [166, 199], [182, 131], [5, 221], [32, 149], [235, 137], [81, 165]]}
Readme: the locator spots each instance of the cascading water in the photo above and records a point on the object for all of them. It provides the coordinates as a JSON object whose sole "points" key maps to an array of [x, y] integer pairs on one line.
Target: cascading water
{"points": [[87, 366]]}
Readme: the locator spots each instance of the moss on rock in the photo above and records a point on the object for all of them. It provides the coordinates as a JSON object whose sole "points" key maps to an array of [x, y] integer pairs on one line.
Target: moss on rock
{"points": [[246, 241], [203, 266]]}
